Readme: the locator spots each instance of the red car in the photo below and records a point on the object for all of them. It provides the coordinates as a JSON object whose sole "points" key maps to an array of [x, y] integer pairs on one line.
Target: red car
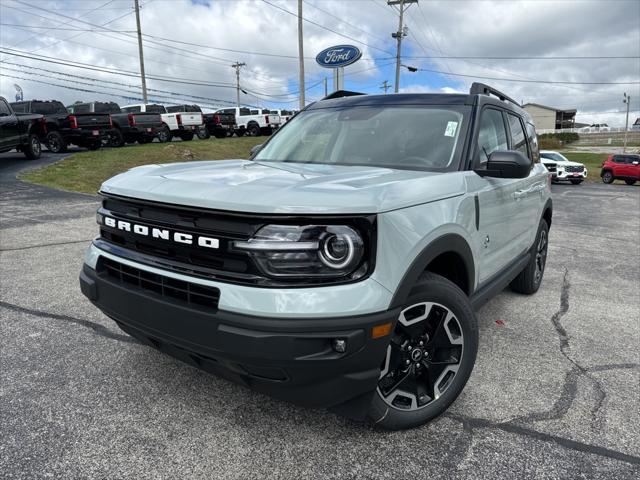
{"points": [[624, 166]]}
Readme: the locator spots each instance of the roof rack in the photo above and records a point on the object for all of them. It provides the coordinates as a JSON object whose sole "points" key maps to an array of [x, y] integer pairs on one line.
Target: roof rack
{"points": [[482, 89], [341, 93]]}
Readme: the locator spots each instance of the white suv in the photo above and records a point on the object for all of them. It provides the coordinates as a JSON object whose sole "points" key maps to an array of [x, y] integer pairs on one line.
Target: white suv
{"points": [[562, 169]]}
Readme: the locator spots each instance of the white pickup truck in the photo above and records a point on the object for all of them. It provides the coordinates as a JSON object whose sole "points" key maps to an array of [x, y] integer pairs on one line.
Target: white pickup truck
{"points": [[254, 122], [285, 115], [179, 124]]}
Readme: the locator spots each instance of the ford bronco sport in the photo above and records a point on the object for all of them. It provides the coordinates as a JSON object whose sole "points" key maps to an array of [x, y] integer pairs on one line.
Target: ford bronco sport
{"points": [[341, 265]]}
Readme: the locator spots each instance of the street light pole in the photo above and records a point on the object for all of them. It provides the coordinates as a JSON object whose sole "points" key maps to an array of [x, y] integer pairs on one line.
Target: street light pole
{"points": [[404, 4], [627, 100]]}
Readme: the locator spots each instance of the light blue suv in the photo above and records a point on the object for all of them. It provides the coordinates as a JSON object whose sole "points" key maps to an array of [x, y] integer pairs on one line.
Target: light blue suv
{"points": [[341, 265]]}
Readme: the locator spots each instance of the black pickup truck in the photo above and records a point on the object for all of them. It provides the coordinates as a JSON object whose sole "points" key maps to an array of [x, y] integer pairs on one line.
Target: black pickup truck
{"points": [[127, 127], [63, 128], [217, 124], [20, 132]]}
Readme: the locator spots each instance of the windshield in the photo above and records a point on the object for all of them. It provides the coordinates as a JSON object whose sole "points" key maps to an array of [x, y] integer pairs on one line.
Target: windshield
{"points": [[554, 156], [405, 137], [106, 107], [152, 108], [47, 108]]}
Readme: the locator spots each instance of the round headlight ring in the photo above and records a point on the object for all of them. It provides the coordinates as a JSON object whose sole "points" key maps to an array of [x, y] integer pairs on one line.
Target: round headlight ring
{"points": [[330, 260]]}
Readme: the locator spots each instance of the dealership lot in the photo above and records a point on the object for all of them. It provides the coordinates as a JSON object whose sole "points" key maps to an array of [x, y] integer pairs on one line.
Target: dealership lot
{"points": [[554, 394]]}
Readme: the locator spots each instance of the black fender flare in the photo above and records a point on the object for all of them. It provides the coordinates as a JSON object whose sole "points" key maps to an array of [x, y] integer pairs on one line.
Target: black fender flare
{"points": [[450, 242], [548, 207]]}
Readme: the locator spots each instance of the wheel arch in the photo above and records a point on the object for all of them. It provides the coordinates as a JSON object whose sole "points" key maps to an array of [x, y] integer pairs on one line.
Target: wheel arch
{"points": [[547, 212], [450, 256]]}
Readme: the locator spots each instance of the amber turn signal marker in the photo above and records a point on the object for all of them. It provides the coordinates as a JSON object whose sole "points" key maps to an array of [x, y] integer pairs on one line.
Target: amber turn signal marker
{"points": [[381, 330]]}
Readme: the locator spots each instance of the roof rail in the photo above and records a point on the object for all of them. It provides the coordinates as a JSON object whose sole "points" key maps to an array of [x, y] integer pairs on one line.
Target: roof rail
{"points": [[482, 89], [342, 93]]}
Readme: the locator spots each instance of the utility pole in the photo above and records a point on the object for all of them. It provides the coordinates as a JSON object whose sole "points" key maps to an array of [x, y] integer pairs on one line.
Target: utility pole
{"points": [[140, 54], [385, 86], [301, 54], [627, 100], [238, 66], [402, 32], [325, 86]]}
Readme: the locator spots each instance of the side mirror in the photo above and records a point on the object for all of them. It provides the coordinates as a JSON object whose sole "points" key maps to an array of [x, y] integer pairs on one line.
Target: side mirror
{"points": [[255, 149], [506, 164]]}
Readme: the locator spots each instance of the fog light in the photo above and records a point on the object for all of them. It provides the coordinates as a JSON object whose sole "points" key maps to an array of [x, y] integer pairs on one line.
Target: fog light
{"points": [[339, 345], [99, 218]]}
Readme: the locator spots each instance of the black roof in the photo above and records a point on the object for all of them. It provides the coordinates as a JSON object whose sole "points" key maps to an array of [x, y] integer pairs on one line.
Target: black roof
{"points": [[478, 92], [395, 99]]}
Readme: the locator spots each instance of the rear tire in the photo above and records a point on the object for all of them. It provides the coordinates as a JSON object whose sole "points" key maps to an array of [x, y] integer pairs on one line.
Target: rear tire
{"points": [[437, 334], [253, 130], [240, 132], [144, 140], [576, 181], [530, 279], [630, 182], [187, 136], [32, 149], [607, 177], [56, 142], [94, 145], [116, 139], [203, 133], [164, 134]]}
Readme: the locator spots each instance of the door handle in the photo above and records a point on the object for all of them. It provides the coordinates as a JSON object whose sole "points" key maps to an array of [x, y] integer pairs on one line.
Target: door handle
{"points": [[521, 194]]}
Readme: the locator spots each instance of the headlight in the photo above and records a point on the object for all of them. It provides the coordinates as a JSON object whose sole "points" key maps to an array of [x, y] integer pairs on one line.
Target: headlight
{"points": [[329, 251]]}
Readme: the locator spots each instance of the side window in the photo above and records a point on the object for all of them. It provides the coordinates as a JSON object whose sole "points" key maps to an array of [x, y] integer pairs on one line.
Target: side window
{"points": [[4, 109], [618, 159], [533, 143], [20, 107], [492, 135], [518, 139]]}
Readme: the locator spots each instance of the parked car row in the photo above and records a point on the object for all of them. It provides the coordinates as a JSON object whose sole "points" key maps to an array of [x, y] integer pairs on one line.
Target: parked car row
{"points": [[624, 166], [95, 124]]}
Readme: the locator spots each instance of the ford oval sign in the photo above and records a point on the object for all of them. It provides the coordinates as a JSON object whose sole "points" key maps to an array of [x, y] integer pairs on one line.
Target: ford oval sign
{"points": [[338, 56]]}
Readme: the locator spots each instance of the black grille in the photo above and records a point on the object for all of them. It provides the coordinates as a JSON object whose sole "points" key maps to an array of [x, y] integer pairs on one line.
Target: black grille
{"points": [[223, 263], [572, 168], [551, 168], [184, 292]]}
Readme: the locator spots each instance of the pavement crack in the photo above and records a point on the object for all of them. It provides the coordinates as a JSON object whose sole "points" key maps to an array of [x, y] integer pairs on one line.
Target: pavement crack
{"points": [[474, 423], [98, 329], [45, 245]]}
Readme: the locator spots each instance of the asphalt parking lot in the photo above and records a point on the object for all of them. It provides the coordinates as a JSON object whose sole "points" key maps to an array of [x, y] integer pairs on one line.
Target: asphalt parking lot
{"points": [[555, 392]]}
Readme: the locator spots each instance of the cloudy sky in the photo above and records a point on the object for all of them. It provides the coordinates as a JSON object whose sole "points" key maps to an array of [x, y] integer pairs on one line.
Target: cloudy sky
{"points": [[189, 46]]}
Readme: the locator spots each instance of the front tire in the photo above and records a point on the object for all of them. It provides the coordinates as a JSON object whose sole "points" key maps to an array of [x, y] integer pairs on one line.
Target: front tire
{"points": [[116, 139], [203, 133], [429, 358], [529, 280], [607, 177], [32, 149]]}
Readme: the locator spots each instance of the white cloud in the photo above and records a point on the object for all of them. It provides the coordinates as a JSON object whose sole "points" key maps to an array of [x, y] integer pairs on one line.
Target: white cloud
{"points": [[499, 29]]}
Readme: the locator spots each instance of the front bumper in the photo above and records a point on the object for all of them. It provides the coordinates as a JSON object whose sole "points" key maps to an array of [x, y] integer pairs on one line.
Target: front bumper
{"points": [[288, 358], [563, 175]]}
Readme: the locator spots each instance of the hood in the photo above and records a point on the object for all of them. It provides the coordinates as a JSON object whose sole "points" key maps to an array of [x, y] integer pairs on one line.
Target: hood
{"points": [[274, 187], [569, 164]]}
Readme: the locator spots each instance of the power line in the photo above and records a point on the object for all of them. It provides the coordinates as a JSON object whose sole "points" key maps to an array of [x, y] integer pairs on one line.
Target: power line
{"points": [[551, 82], [326, 28]]}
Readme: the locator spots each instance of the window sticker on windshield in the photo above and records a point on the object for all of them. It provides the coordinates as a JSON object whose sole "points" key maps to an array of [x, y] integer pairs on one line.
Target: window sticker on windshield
{"points": [[451, 129]]}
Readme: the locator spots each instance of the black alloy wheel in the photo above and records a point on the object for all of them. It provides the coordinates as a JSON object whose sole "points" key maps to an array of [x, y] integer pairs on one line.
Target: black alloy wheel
{"points": [[423, 357], [429, 358]]}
